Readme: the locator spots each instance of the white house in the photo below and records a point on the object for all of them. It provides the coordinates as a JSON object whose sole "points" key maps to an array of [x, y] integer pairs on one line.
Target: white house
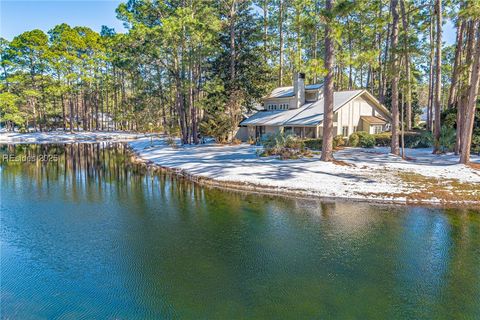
{"points": [[299, 110]]}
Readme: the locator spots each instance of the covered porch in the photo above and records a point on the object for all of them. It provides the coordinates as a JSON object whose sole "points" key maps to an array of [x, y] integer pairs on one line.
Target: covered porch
{"points": [[299, 131]]}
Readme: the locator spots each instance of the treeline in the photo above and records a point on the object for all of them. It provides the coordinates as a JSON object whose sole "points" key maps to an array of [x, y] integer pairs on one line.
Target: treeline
{"points": [[187, 67]]}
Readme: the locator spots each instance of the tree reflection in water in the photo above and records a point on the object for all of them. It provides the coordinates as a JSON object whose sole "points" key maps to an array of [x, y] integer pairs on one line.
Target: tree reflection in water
{"points": [[112, 239]]}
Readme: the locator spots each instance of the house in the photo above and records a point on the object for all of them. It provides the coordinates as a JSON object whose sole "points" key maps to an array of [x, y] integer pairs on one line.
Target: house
{"points": [[299, 110]]}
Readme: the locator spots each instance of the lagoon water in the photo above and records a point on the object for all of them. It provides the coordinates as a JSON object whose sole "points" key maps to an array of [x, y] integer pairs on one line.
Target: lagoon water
{"points": [[85, 234]]}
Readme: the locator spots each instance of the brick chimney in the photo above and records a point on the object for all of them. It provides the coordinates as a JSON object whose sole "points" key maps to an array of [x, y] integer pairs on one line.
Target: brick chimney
{"points": [[299, 88]]}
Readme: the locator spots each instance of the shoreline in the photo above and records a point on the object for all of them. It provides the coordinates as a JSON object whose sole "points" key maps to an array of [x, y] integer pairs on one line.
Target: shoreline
{"points": [[67, 137], [246, 187], [361, 175]]}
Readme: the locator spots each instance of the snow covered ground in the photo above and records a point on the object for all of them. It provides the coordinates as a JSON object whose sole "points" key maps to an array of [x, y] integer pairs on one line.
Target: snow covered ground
{"points": [[368, 174], [371, 174], [61, 136]]}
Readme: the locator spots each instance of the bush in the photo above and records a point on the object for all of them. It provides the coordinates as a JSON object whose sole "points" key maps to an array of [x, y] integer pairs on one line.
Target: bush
{"points": [[412, 139], [425, 140], [286, 147], [171, 142], [476, 141], [447, 139], [314, 144], [365, 139], [383, 139], [353, 140], [236, 141], [338, 141], [294, 143], [269, 141]]}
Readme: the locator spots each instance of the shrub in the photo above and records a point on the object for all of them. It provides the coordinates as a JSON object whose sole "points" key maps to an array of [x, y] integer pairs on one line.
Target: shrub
{"points": [[286, 153], [286, 147], [476, 141], [425, 140], [171, 142], [447, 138], [353, 140], [412, 139], [292, 142], [338, 141], [449, 119], [236, 141], [314, 144], [251, 140], [365, 139], [269, 141], [383, 139]]}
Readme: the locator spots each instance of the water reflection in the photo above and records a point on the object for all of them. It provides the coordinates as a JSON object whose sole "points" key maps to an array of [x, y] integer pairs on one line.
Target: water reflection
{"points": [[92, 235]]}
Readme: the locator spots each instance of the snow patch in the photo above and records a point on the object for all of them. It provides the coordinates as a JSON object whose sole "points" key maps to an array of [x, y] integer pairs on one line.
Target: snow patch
{"points": [[373, 173]]}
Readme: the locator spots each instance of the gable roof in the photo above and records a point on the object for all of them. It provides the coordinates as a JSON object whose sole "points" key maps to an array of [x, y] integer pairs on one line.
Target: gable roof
{"points": [[310, 114], [286, 92], [373, 120]]}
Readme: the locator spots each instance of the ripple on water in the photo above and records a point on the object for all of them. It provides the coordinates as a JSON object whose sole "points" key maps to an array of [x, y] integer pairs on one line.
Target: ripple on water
{"points": [[92, 236]]}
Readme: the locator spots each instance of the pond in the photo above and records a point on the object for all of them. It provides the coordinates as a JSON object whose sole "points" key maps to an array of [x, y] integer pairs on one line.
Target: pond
{"points": [[87, 234]]}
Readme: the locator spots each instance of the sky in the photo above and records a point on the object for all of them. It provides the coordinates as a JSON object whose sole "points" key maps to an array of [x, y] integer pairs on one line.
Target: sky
{"points": [[17, 16]]}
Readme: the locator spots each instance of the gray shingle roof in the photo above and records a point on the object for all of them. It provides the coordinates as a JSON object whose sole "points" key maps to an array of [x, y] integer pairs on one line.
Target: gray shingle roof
{"points": [[310, 114], [285, 92], [313, 86]]}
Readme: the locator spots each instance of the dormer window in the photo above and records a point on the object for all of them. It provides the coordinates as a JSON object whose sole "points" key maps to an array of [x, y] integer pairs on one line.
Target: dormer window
{"points": [[281, 106]]}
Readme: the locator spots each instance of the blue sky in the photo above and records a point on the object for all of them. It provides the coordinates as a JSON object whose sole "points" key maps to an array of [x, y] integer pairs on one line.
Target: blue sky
{"points": [[17, 16]]}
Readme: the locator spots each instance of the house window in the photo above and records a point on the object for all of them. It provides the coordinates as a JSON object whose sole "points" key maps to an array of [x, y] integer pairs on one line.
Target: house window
{"points": [[297, 131], [355, 128], [288, 131], [335, 117], [345, 131], [310, 132], [377, 129]]}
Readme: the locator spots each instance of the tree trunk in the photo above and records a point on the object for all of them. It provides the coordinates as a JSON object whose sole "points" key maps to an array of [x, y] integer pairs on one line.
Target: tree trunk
{"points": [[438, 76], [470, 107], [280, 31], [456, 65], [232, 41], [431, 79], [383, 82], [394, 148], [96, 107], [70, 102], [265, 30], [63, 113], [463, 99], [408, 93], [327, 144], [350, 66]]}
